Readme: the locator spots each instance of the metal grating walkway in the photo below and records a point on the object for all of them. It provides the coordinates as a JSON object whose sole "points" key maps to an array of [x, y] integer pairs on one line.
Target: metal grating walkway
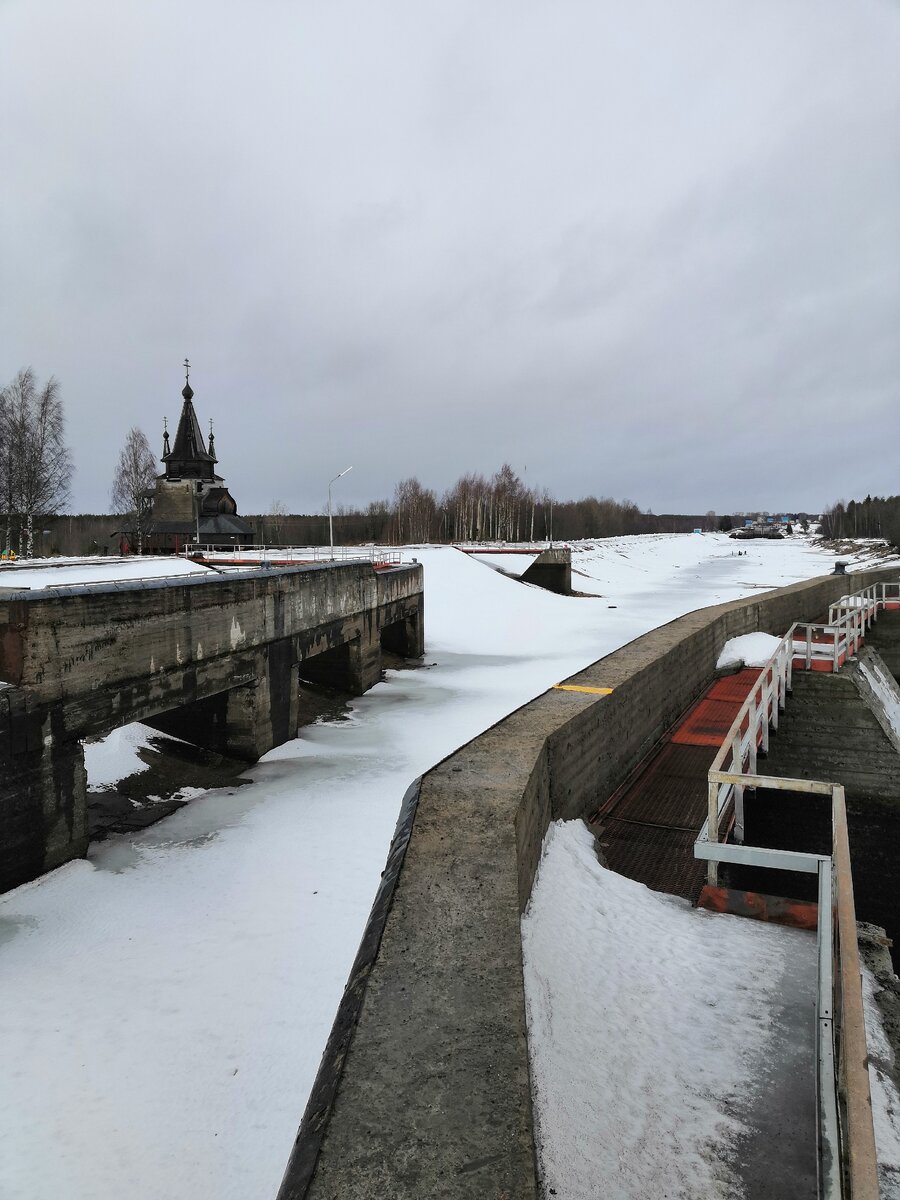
{"points": [[647, 828]]}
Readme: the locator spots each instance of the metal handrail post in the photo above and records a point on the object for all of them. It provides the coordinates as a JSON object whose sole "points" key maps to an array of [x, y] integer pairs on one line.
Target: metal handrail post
{"points": [[712, 867]]}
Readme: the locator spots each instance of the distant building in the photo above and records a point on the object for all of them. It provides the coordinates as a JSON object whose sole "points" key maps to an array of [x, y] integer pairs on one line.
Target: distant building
{"points": [[190, 501]]}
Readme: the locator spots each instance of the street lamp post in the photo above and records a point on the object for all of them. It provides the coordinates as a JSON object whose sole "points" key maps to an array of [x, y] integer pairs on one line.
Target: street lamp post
{"points": [[330, 522]]}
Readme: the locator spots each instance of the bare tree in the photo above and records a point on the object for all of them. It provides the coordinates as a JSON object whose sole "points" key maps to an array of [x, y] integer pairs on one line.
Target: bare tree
{"points": [[415, 509], [37, 464], [277, 512], [133, 481]]}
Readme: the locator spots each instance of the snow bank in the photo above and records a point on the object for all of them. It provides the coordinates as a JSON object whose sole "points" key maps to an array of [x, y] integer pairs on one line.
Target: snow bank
{"points": [[63, 572], [648, 1021], [751, 649], [509, 564]]}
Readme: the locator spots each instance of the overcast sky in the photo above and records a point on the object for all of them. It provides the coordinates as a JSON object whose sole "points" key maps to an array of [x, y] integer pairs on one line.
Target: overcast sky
{"points": [[643, 249]]}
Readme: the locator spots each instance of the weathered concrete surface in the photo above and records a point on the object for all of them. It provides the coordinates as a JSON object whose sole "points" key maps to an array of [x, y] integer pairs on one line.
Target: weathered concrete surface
{"points": [[552, 570], [434, 1099], [885, 638], [213, 660]]}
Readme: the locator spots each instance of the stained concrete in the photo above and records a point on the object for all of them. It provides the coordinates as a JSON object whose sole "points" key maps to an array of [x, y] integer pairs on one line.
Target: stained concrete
{"points": [[552, 570], [216, 661], [884, 636]]}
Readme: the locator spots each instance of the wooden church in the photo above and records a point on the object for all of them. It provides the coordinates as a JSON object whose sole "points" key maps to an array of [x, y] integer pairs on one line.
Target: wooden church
{"points": [[190, 502]]}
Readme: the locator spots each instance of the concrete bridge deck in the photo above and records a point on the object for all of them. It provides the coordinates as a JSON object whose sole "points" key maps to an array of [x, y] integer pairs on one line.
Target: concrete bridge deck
{"points": [[214, 660]]}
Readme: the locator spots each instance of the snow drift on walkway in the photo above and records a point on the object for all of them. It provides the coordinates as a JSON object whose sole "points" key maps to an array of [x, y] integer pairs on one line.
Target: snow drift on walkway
{"points": [[648, 1020], [750, 649]]}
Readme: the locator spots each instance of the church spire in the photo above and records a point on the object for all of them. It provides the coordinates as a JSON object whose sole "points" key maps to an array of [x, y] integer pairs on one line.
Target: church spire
{"points": [[212, 443], [188, 458], [166, 450]]}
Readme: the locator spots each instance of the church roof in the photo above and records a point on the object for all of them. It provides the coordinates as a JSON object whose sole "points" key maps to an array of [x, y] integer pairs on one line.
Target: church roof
{"points": [[189, 457], [189, 451]]}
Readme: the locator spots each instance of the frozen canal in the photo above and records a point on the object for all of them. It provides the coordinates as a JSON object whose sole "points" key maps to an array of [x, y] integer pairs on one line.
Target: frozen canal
{"points": [[165, 1003]]}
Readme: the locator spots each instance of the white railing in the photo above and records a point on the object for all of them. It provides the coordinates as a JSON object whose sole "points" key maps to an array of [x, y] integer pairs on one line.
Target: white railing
{"points": [[263, 555], [840, 638], [845, 1128]]}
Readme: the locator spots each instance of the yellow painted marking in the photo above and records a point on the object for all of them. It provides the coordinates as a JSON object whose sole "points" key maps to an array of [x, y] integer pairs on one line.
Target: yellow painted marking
{"points": [[574, 687]]}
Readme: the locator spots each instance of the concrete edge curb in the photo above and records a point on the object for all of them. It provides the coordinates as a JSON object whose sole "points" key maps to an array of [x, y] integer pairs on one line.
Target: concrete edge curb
{"points": [[301, 1166], [872, 701]]}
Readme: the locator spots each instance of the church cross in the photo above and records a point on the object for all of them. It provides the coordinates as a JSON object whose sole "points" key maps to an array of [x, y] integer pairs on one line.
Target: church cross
{"points": [[187, 371]]}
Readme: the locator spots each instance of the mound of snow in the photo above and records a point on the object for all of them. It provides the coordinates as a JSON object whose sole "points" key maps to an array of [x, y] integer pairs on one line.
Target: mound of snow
{"points": [[115, 757], [751, 649]]}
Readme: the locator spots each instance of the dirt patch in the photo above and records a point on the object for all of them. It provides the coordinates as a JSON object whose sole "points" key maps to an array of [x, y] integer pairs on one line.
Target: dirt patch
{"points": [[321, 703], [176, 771]]}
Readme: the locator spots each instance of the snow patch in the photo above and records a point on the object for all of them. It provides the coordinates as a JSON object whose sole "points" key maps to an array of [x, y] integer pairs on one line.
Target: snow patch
{"points": [[633, 1001], [115, 757], [751, 649], [62, 572]]}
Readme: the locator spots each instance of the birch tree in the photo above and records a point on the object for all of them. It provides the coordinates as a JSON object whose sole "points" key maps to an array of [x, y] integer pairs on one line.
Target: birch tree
{"points": [[134, 479], [37, 470]]}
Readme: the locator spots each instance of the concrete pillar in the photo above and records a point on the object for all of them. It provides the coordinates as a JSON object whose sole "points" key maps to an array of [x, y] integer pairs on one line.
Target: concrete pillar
{"points": [[246, 721], [554, 574], [406, 636], [353, 666], [43, 804]]}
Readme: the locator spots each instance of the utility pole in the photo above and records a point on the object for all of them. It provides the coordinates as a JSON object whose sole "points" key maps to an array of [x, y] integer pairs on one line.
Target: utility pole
{"points": [[330, 523]]}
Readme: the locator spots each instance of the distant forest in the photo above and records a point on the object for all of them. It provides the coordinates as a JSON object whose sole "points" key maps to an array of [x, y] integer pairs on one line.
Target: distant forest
{"points": [[874, 517], [475, 509], [479, 509]]}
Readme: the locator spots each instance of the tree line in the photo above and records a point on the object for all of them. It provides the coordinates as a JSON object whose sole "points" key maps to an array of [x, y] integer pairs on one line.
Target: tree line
{"points": [[501, 509], [874, 517]]}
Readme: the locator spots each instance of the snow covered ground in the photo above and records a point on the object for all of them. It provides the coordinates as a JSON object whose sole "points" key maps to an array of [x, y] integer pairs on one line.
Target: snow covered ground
{"points": [[166, 1001], [509, 563], [61, 572]]}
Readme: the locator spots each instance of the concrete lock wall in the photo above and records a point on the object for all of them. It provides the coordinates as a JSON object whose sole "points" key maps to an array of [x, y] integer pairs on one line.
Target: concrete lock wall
{"points": [[213, 661], [424, 1088], [552, 570]]}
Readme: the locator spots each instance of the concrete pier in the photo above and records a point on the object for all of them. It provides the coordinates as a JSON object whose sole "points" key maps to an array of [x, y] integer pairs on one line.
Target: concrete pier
{"points": [[215, 661]]}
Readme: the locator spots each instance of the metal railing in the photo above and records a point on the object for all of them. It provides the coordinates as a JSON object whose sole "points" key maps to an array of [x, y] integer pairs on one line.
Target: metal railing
{"points": [[847, 1157], [263, 555], [846, 1137]]}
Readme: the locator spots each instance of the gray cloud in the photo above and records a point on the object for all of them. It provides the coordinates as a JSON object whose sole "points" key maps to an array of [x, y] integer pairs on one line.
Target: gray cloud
{"points": [[645, 250]]}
